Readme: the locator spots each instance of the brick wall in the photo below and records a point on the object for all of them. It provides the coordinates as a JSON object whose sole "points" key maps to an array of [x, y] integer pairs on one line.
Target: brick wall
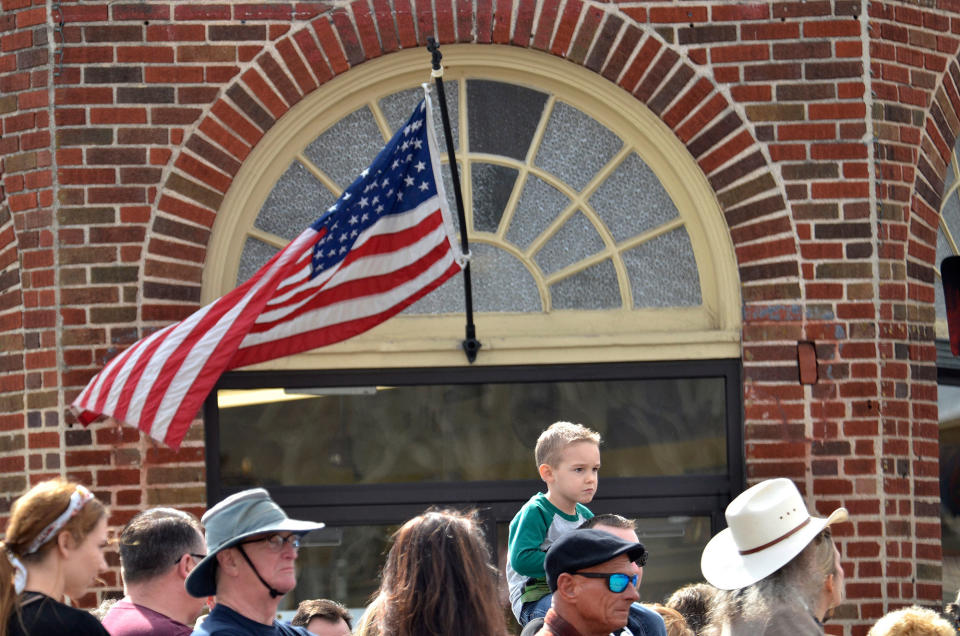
{"points": [[824, 128]]}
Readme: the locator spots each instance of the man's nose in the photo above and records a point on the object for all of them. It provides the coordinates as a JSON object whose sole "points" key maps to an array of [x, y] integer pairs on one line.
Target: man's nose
{"points": [[632, 593]]}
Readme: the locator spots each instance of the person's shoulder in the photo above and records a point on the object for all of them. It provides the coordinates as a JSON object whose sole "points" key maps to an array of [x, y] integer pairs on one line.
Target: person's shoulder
{"points": [[286, 629], [646, 621], [86, 623], [792, 622], [537, 509], [535, 501]]}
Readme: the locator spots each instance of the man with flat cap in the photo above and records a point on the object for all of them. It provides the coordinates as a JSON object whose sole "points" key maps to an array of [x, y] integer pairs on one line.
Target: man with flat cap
{"points": [[594, 583], [251, 550]]}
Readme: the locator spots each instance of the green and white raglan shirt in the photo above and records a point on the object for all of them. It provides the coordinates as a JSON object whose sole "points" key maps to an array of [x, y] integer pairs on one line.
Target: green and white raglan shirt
{"points": [[538, 524]]}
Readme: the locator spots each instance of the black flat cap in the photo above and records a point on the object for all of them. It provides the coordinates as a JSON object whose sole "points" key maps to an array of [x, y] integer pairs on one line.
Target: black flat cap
{"points": [[579, 549]]}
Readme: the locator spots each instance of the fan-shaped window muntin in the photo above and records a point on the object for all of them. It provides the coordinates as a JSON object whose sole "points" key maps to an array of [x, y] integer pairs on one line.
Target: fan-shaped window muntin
{"points": [[551, 200], [590, 247]]}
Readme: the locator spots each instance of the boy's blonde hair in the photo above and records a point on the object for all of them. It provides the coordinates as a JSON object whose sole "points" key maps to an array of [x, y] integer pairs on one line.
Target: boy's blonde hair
{"points": [[557, 437]]}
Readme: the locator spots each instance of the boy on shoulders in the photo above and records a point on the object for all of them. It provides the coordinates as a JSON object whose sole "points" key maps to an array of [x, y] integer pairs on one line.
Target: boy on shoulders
{"points": [[568, 460]]}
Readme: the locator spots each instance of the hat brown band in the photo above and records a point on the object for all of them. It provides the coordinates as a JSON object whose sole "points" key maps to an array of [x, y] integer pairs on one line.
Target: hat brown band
{"points": [[775, 541]]}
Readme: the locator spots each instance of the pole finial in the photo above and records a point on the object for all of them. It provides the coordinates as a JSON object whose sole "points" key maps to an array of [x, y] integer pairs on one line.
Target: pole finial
{"points": [[435, 53]]}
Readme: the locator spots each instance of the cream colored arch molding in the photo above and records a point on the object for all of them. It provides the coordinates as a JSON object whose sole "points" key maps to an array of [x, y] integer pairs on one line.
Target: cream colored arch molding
{"points": [[547, 327]]}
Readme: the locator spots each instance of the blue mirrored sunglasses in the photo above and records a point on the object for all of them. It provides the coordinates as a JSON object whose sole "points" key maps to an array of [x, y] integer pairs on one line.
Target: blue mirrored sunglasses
{"points": [[616, 582]]}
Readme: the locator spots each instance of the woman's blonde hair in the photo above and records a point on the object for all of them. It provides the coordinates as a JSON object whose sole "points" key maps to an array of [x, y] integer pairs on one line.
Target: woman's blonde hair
{"points": [[912, 621], [30, 515]]}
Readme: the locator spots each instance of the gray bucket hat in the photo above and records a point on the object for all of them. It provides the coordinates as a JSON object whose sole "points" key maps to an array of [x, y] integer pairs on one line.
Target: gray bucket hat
{"points": [[234, 519]]}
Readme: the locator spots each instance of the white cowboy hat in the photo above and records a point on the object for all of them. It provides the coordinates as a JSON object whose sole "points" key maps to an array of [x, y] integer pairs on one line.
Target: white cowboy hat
{"points": [[768, 525]]}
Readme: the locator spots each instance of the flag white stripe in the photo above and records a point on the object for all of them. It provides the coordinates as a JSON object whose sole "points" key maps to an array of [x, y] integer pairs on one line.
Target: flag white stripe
{"points": [[196, 360], [352, 309], [159, 382], [373, 265], [118, 387], [95, 388], [385, 225]]}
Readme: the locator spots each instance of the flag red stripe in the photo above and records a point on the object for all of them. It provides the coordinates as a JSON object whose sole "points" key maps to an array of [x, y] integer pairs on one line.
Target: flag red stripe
{"points": [[99, 396], [357, 252], [376, 246], [159, 383], [133, 378], [223, 346], [333, 333], [367, 286]]}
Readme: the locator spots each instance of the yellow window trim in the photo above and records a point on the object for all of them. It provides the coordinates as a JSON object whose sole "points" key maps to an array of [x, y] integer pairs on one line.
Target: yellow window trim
{"points": [[711, 330]]}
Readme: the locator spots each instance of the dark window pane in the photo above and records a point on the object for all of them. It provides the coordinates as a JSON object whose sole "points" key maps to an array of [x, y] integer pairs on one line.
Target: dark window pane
{"points": [[341, 563], [492, 186], [502, 118], [471, 432], [949, 409]]}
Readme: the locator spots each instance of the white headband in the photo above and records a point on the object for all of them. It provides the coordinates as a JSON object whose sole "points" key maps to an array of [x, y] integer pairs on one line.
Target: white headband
{"points": [[77, 500], [20, 576]]}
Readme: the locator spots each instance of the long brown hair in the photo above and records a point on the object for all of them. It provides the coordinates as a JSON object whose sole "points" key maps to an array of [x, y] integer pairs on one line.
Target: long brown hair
{"points": [[438, 579], [31, 513]]}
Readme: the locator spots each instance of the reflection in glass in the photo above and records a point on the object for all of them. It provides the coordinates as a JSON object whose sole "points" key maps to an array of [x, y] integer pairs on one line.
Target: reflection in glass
{"points": [[948, 405], [471, 432], [341, 563], [674, 545]]}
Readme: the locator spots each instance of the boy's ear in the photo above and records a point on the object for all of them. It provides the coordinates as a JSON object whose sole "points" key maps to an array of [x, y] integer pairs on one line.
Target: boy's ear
{"points": [[546, 472]]}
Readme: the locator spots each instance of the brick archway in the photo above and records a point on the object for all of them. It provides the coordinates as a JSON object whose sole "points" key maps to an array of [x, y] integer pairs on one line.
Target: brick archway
{"points": [[610, 44], [13, 371]]}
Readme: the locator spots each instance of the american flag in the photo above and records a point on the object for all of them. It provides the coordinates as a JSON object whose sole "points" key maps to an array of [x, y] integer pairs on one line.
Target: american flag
{"points": [[387, 242]]}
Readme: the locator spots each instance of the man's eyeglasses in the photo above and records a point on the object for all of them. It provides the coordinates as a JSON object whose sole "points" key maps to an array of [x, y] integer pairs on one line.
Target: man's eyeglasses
{"points": [[276, 541], [198, 557], [615, 582]]}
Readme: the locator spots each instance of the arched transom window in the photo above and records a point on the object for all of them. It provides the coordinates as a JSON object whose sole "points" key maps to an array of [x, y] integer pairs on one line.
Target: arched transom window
{"points": [[594, 235]]}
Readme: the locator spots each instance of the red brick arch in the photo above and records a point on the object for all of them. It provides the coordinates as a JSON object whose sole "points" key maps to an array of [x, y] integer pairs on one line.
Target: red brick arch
{"points": [[12, 343], [611, 44], [939, 133]]}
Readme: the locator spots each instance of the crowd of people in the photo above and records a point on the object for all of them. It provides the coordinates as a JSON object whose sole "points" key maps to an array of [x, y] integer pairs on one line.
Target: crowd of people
{"points": [[774, 571]]}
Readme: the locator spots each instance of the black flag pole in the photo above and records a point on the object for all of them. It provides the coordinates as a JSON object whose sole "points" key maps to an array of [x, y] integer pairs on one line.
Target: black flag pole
{"points": [[470, 344]]}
